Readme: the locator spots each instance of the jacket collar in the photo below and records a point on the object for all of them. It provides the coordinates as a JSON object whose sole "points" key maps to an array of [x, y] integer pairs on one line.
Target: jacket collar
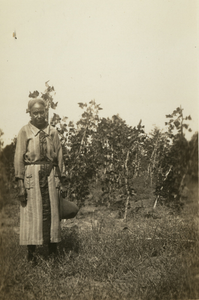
{"points": [[36, 130]]}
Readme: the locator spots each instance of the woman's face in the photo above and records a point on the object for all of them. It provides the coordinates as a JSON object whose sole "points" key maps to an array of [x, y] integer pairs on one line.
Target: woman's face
{"points": [[38, 115]]}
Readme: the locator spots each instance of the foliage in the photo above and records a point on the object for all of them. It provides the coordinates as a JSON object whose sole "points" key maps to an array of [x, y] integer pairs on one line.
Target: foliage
{"points": [[3, 186], [112, 154], [77, 148], [47, 96], [174, 162], [109, 153], [157, 147], [6, 172], [105, 150], [176, 123], [119, 149], [1, 142], [193, 157]]}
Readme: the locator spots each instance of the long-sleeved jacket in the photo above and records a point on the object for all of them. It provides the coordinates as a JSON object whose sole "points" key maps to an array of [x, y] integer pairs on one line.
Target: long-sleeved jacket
{"points": [[36, 151], [28, 149]]}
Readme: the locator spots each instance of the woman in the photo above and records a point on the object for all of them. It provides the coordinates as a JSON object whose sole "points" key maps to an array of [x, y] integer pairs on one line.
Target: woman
{"points": [[38, 169]]}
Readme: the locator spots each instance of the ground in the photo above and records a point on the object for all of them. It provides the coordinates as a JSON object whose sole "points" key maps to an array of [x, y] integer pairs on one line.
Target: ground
{"points": [[154, 254]]}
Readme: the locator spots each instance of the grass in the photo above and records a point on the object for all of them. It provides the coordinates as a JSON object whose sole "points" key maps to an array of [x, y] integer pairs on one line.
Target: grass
{"points": [[153, 255]]}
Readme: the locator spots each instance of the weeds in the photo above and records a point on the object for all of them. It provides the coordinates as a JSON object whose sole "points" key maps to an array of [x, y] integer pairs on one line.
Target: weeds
{"points": [[144, 258]]}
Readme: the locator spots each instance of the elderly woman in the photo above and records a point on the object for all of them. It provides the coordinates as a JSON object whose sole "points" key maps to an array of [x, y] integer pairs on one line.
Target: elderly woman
{"points": [[38, 169]]}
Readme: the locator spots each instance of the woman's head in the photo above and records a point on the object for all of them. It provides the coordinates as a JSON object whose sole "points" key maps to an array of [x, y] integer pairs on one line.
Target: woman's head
{"points": [[37, 110]]}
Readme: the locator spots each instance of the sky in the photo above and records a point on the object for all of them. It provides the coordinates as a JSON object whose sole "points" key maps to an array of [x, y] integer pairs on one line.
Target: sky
{"points": [[136, 58]]}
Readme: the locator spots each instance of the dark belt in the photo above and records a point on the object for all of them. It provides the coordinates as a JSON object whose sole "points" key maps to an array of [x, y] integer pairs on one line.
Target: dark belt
{"points": [[45, 162]]}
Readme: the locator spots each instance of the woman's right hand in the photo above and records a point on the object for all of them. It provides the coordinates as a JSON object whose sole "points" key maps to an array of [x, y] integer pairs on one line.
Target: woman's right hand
{"points": [[22, 195]]}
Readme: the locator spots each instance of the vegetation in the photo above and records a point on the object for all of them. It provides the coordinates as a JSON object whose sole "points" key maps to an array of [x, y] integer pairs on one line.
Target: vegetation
{"points": [[136, 234], [6, 171], [111, 154], [152, 255]]}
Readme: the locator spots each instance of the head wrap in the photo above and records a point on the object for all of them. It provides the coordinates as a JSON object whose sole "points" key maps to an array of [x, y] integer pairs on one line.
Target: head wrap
{"points": [[32, 102]]}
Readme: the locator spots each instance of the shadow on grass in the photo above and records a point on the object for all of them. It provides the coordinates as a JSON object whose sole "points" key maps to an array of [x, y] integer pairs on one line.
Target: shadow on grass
{"points": [[69, 241]]}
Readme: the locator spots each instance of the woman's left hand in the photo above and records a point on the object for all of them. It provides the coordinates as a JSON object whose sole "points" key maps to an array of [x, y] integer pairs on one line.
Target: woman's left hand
{"points": [[63, 191]]}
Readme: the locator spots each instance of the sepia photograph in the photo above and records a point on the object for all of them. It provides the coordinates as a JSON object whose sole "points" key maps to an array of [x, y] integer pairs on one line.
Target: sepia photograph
{"points": [[99, 117]]}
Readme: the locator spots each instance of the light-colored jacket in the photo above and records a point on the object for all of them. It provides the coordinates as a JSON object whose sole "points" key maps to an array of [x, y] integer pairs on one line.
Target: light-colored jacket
{"points": [[27, 167]]}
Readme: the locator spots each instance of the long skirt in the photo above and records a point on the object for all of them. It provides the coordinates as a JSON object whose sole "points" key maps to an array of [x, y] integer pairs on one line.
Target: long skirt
{"points": [[39, 219]]}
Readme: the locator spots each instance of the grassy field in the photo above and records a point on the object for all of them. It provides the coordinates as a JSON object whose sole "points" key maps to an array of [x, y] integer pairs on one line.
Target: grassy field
{"points": [[152, 255]]}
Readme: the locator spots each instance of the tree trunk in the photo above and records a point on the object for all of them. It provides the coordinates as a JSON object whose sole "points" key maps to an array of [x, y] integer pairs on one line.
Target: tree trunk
{"points": [[126, 186], [156, 200], [82, 140]]}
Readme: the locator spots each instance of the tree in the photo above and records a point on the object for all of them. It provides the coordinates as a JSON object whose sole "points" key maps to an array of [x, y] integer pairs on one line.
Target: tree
{"points": [[193, 157], [119, 149], [6, 171], [176, 123], [157, 146], [78, 151], [1, 141], [173, 165], [47, 96]]}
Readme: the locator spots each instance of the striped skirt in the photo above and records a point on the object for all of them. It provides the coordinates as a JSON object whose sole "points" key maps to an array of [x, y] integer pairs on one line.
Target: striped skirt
{"points": [[39, 219]]}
